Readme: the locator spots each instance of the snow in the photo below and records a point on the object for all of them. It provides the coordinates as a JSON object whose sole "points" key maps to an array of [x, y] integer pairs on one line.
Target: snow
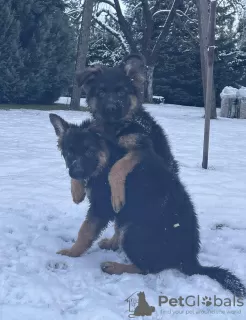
{"points": [[160, 11], [38, 218], [229, 92], [158, 99], [114, 32], [242, 92], [67, 100]]}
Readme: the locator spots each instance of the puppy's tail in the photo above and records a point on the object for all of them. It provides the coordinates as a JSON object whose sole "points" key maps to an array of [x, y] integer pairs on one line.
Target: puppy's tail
{"points": [[227, 279]]}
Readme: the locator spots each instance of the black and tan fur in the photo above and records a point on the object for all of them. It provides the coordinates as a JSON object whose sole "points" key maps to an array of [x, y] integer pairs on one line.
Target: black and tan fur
{"points": [[114, 97], [157, 227]]}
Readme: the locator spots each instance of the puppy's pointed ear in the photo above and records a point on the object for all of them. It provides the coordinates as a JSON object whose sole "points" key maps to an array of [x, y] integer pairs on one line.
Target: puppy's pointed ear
{"points": [[85, 79], [134, 67], [59, 124]]}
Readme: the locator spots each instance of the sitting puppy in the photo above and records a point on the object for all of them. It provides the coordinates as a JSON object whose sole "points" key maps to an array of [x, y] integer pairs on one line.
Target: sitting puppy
{"points": [[158, 225]]}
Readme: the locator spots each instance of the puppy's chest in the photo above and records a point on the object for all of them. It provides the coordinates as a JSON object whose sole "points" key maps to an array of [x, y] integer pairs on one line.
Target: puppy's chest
{"points": [[99, 195], [88, 192]]}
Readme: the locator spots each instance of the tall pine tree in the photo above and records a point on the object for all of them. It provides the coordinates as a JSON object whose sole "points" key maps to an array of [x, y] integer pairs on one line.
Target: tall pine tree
{"points": [[10, 53], [41, 48]]}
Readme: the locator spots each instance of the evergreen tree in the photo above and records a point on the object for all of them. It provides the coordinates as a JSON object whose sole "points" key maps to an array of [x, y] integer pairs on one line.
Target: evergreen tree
{"points": [[104, 47], [45, 49], [225, 72], [237, 59], [178, 75], [10, 53]]}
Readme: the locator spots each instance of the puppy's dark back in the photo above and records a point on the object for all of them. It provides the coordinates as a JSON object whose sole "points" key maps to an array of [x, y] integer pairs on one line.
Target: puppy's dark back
{"points": [[158, 137]]}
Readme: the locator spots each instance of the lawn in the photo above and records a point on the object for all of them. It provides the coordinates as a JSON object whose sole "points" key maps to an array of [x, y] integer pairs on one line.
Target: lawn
{"points": [[38, 107], [38, 218]]}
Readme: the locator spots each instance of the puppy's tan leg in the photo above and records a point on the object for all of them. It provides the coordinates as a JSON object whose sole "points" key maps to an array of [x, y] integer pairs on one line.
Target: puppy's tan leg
{"points": [[119, 268], [117, 178], [77, 190], [88, 233], [111, 244]]}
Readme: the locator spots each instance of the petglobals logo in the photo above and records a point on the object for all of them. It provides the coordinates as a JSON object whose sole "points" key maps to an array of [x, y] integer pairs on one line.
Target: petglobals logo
{"points": [[197, 301], [138, 305]]}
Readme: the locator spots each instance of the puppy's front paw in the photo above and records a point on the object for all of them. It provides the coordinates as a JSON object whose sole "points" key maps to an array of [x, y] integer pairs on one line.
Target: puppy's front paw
{"points": [[118, 199], [117, 186], [79, 199], [77, 191], [69, 253]]}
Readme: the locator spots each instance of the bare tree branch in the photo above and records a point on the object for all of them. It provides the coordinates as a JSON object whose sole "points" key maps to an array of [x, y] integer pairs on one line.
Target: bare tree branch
{"points": [[181, 13], [156, 6], [165, 28], [148, 26], [109, 13], [94, 44], [78, 18], [113, 32], [125, 27], [108, 2], [146, 11], [82, 50], [160, 11], [181, 25]]}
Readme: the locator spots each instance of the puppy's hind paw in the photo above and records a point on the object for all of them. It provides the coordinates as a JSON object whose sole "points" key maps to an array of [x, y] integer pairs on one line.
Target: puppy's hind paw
{"points": [[111, 268]]}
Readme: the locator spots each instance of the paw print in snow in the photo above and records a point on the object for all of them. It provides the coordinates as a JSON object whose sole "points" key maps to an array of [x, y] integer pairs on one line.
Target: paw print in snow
{"points": [[56, 266], [207, 301]]}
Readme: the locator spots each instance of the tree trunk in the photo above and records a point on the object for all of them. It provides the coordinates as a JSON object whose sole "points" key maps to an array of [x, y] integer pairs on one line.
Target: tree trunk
{"points": [[203, 19], [82, 50], [209, 85], [202, 10], [149, 83], [213, 114]]}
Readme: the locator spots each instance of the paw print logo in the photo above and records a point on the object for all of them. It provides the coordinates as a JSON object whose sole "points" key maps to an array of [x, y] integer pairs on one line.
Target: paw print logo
{"points": [[207, 301]]}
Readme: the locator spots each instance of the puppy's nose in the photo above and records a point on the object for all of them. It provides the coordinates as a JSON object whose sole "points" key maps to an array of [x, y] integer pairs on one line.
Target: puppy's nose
{"points": [[76, 165], [76, 168], [111, 106]]}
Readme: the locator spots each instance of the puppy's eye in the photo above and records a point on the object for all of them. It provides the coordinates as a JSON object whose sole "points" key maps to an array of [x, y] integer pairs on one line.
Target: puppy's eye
{"points": [[120, 92], [101, 93], [89, 149]]}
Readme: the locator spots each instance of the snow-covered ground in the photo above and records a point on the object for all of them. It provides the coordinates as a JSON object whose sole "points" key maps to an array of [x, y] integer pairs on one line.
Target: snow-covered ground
{"points": [[67, 100], [38, 217]]}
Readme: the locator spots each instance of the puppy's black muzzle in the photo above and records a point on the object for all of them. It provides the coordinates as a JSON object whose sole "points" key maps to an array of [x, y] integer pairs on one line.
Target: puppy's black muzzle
{"points": [[112, 112], [76, 170]]}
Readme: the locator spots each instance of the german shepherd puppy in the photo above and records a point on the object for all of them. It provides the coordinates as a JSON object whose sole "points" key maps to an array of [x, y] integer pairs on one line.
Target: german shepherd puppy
{"points": [[158, 225], [114, 96]]}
